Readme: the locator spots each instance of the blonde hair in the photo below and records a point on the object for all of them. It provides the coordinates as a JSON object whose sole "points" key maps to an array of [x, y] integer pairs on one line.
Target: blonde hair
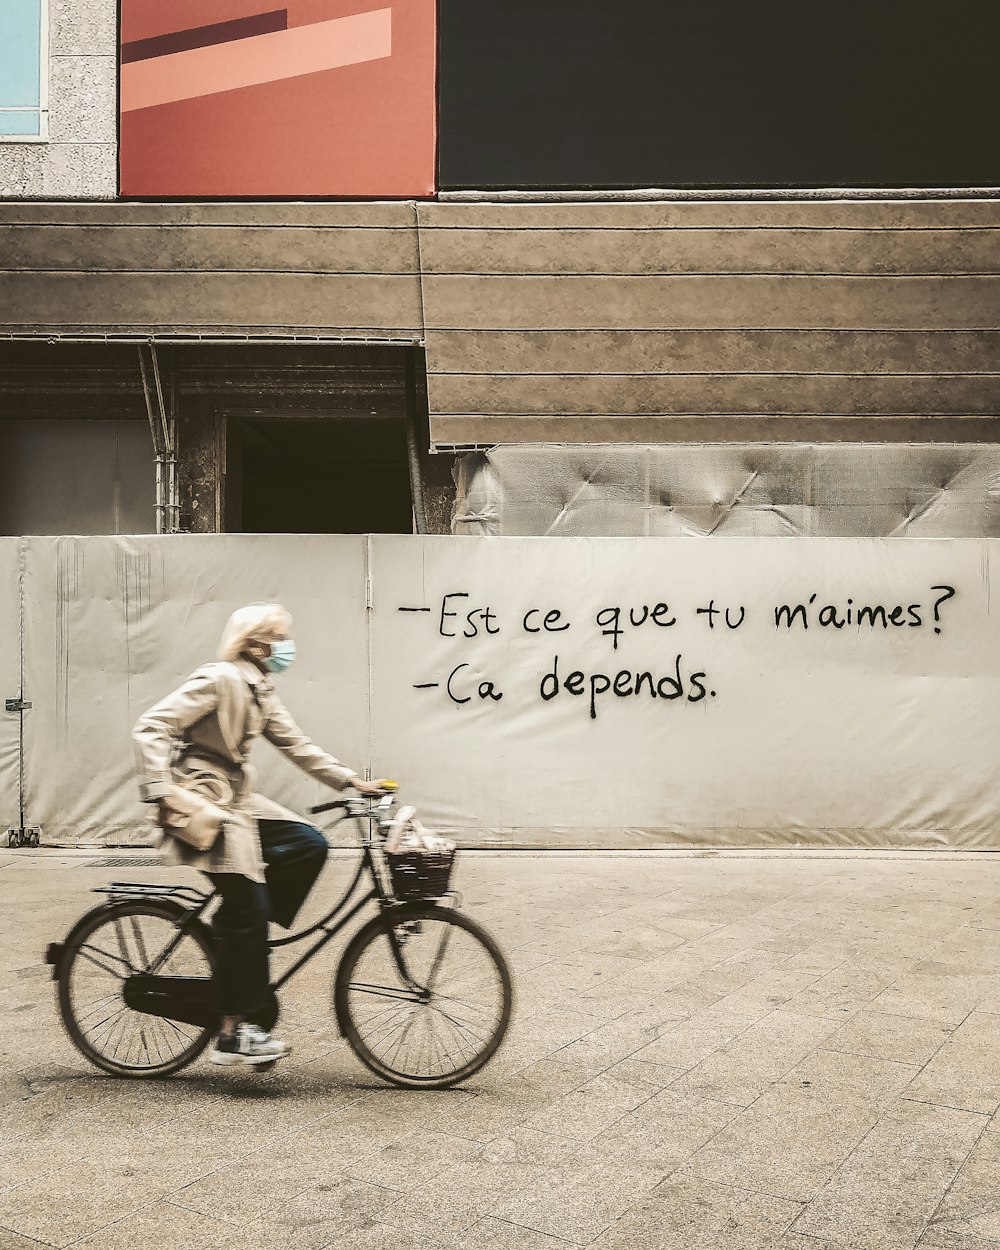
{"points": [[257, 622]]}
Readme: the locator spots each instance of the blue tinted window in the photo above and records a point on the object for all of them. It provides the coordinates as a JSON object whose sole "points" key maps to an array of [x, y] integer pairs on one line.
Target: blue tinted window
{"points": [[20, 67]]}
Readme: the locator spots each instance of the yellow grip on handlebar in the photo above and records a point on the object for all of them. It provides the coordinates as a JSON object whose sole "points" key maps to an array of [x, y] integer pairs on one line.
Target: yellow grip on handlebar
{"points": [[389, 785]]}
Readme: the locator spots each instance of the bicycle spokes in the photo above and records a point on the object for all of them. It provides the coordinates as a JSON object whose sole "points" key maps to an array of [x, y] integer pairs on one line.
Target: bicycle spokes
{"points": [[425, 1000], [117, 952]]}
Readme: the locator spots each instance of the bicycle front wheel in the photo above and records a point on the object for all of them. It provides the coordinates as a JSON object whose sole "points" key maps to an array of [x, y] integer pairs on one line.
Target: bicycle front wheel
{"points": [[423, 996], [112, 946]]}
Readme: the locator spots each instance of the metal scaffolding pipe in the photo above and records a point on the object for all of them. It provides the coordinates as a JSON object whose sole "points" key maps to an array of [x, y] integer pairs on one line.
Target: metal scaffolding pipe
{"points": [[162, 428], [413, 444]]}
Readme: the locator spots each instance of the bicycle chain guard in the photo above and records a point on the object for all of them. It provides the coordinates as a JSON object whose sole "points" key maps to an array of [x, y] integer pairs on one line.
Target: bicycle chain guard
{"points": [[188, 1000]]}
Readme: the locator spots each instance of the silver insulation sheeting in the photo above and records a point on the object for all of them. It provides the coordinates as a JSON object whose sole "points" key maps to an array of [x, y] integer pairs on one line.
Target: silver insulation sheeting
{"points": [[760, 490]]}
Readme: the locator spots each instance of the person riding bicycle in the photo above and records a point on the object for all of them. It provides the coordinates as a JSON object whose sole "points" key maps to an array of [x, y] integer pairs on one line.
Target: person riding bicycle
{"points": [[266, 859]]}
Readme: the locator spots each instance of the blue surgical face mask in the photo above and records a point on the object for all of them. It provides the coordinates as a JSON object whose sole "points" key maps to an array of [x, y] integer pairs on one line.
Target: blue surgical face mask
{"points": [[282, 654]]}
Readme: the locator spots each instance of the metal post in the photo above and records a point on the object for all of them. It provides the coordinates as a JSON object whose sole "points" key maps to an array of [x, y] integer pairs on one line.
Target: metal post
{"points": [[168, 425], [413, 442], [163, 429], [161, 519]]}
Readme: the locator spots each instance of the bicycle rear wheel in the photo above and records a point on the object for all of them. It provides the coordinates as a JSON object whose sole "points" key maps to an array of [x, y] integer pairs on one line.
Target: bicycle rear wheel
{"points": [[423, 996], [122, 942]]}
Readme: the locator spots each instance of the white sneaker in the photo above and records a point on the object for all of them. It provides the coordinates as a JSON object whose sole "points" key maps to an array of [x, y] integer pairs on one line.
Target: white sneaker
{"points": [[249, 1045]]}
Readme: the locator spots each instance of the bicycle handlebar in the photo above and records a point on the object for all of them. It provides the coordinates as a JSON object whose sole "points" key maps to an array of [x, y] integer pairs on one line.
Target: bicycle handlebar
{"points": [[353, 805]]}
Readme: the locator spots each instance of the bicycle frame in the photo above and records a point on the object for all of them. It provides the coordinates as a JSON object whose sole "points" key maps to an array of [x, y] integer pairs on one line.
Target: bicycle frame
{"points": [[198, 902], [330, 930]]}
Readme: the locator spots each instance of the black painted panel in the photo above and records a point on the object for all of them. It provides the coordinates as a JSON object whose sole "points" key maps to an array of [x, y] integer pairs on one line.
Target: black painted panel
{"points": [[646, 93]]}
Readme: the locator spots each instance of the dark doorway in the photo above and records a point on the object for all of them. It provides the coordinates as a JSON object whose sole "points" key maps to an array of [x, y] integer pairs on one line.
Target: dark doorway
{"points": [[318, 474]]}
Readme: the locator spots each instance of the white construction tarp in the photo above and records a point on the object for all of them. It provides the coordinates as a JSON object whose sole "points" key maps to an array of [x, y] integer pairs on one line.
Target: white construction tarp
{"points": [[114, 623], [577, 691], [10, 684], [651, 695]]}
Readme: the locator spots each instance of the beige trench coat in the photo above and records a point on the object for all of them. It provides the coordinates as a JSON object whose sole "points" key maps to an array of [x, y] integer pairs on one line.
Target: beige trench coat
{"points": [[209, 724]]}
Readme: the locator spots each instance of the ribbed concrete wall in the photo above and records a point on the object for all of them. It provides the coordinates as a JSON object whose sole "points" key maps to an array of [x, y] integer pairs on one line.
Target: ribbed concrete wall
{"points": [[587, 322], [337, 270], [673, 321]]}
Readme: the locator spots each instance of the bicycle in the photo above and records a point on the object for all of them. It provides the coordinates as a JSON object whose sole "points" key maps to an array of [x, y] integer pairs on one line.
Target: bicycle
{"points": [[422, 993]]}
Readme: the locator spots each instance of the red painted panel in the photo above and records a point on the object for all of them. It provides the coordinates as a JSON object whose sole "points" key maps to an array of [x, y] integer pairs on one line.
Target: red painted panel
{"points": [[356, 129]]}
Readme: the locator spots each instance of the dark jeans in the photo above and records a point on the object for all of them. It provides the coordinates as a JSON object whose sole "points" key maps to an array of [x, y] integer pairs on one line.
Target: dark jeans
{"points": [[294, 855]]}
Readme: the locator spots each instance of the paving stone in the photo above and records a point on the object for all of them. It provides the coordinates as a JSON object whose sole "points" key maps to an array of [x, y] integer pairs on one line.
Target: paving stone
{"points": [[618, 1039], [636, 978], [245, 1189], [968, 949], [948, 1239], [167, 1227], [734, 941], [579, 1204], [379, 1235], [725, 981], [320, 1216], [846, 1078], [502, 1102], [14, 1241], [934, 995], [886, 1192], [685, 927], [788, 1143], [257, 1108], [644, 1074], [694, 1039], [652, 976], [965, 1072], [494, 1234], [971, 1207], [40, 1208], [636, 941], [881, 1036], [841, 993], [411, 1161], [586, 1111], [577, 975], [741, 1071], [796, 1241], [525, 1145], [665, 1131], [29, 1159], [459, 1198], [691, 1214], [773, 988], [554, 1028]]}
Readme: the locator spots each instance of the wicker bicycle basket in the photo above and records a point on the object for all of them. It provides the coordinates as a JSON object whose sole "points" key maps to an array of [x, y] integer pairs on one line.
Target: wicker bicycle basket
{"points": [[419, 874]]}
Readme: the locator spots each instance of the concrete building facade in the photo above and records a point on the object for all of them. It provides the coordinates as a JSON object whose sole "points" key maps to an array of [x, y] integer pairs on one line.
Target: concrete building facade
{"points": [[380, 338]]}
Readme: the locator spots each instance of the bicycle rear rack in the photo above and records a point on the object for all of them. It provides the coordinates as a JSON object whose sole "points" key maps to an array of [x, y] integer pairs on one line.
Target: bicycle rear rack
{"points": [[186, 894]]}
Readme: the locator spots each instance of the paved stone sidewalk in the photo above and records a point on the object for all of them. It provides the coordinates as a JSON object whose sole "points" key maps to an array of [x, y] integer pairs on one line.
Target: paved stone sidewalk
{"points": [[710, 1051]]}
